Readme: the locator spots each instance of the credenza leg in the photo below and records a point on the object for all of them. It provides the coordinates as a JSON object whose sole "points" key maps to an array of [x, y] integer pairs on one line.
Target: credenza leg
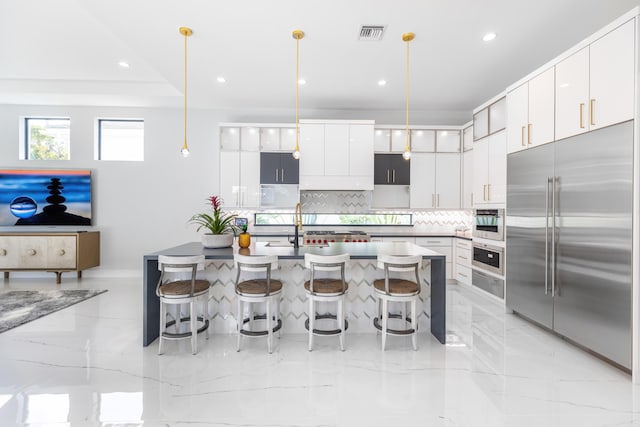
{"points": [[79, 274], [58, 277], [6, 274]]}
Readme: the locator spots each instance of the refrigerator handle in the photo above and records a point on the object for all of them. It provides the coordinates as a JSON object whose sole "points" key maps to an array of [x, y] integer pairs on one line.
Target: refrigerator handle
{"points": [[554, 181], [546, 237]]}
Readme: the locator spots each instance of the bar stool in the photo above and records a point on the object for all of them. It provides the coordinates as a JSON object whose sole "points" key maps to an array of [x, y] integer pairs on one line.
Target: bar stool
{"points": [[326, 290], [258, 290], [397, 290], [176, 290]]}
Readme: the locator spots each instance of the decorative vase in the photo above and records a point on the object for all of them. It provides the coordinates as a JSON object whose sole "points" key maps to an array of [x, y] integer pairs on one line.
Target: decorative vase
{"points": [[212, 241], [244, 240]]}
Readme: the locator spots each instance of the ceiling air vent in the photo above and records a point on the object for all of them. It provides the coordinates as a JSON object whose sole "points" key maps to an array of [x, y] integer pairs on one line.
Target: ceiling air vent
{"points": [[371, 32]]}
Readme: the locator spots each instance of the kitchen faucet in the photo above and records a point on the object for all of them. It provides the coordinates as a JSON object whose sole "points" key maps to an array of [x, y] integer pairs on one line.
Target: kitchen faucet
{"points": [[298, 225]]}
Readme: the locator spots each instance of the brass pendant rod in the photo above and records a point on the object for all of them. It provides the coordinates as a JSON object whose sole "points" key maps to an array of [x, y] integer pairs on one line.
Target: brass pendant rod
{"points": [[407, 37], [186, 32], [297, 34]]}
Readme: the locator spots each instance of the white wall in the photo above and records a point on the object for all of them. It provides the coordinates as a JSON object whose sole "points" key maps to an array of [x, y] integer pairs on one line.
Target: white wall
{"points": [[141, 207]]}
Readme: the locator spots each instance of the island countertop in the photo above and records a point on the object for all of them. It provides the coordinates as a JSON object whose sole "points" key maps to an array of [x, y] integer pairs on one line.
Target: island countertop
{"points": [[287, 251], [359, 252]]}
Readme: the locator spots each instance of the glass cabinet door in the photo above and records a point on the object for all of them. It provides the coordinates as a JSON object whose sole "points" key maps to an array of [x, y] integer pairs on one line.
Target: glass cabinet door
{"points": [[230, 139], [423, 140], [269, 139], [448, 141]]}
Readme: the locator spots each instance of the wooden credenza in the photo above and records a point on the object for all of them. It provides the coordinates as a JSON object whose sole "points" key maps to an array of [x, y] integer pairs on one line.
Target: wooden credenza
{"points": [[54, 252]]}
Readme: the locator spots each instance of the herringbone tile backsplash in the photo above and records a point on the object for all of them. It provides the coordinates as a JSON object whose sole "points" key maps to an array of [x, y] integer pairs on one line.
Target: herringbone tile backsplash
{"points": [[359, 202]]}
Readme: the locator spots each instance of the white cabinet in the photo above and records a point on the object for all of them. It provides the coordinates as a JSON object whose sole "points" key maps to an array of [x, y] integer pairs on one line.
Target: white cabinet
{"points": [[467, 138], [398, 140], [435, 180], [467, 180], [423, 140], [462, 265], [336, 156], [240, 178], [530, 109], [441, 245], [490, 169], [595, 86], [481, 124], [277, 139]]}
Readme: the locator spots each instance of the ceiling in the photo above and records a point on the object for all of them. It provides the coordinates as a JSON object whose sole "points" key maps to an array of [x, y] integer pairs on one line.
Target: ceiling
{"points": [[66, 52]]}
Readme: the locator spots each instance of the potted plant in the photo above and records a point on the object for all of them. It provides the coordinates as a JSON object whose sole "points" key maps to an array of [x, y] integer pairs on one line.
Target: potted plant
{"points": [[220, 225]]}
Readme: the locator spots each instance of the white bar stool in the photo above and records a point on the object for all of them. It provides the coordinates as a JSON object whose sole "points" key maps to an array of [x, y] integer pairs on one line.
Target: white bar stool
{"points": [[176, 290], [326, 290], [397, 290], [259, 290]]}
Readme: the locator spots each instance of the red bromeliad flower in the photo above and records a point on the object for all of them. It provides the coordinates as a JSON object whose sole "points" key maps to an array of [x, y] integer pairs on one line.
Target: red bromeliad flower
{"points": [[216, 203]]}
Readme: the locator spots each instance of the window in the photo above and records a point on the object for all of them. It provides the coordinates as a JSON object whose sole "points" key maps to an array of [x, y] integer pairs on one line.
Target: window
{"points": [[47, 139], [121, 139]]}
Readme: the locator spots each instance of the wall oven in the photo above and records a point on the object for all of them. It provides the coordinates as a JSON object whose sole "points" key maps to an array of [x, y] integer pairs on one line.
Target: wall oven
{"points": [[488, 224], [488, 258]]}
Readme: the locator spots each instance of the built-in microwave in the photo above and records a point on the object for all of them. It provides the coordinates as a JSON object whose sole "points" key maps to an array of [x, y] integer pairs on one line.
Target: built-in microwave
{"points": [[488, 258], [488, 224]]}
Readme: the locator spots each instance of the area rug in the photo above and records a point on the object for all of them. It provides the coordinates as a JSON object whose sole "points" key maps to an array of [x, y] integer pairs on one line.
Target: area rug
{"points": [[19, 307]]}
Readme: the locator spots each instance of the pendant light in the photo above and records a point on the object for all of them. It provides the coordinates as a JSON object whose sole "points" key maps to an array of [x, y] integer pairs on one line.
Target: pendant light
{"points": [[186, 32], [297, 34], [407, 37]]}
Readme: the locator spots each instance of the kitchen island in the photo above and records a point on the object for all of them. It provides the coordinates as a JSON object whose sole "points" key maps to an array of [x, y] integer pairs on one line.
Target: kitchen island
{"points": [[361, 305]]}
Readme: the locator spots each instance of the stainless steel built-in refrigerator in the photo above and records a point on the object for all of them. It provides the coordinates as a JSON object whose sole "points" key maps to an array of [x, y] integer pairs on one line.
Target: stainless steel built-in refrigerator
{"points": [[568, 238]]}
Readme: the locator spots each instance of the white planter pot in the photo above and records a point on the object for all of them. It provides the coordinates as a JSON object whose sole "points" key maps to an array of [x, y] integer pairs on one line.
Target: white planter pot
{"points": [[217, 240]]}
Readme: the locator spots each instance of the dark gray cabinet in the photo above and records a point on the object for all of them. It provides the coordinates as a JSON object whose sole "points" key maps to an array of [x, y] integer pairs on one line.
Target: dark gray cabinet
{"points": [[279, 168], [391, 169]]}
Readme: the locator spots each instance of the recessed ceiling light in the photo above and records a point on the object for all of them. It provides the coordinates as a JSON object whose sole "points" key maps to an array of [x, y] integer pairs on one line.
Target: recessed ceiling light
{"points": [[221, 79], [382, 82], [488, 37], [302, 82], [123, 64]]}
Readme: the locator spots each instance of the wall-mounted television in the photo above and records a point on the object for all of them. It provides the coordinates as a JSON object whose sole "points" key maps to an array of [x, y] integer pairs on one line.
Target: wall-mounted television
{"points": [[45, 197]]}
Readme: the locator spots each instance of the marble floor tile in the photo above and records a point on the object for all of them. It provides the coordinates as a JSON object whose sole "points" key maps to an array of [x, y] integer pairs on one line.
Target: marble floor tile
{"points": [[85, 366]]}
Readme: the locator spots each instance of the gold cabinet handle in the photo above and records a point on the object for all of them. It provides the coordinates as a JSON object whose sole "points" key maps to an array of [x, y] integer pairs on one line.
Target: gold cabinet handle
{"points": [[471, 199], [282, 174], [522, 138], [433, 200], [61, 252], [276, 174], [393, 174], [488, 191], [592, 103], [387, 176], [463, 275], [484, 192], [581, 114], [529, 134], [438, 200]]}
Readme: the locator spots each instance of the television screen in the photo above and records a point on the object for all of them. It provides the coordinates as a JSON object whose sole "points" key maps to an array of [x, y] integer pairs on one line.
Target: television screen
{"points": [[45, 197]]}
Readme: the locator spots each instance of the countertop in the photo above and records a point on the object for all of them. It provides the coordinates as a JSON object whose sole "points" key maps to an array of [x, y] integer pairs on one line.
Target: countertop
{"points": [[355, 250]]}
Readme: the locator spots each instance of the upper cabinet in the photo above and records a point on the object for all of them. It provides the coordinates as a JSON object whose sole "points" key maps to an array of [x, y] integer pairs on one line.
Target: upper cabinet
{"points": [[595, 86], [391, 169], [467, 138], [530, 113], [436, 178], [336, 155], [278, 168], [490, 119], [277, 139], [490, 170]]}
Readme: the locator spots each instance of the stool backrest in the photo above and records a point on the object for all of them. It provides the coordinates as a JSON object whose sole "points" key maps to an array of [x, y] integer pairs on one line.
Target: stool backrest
{"points": [[401, 263], [180, 264], [255, 263], [326, 262]]}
